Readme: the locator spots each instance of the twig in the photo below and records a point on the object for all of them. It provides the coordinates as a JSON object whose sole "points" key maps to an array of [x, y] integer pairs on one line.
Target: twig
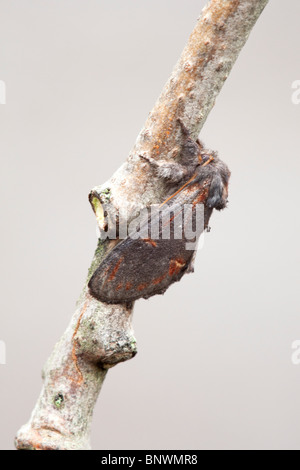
{"points": [[100, 335]]}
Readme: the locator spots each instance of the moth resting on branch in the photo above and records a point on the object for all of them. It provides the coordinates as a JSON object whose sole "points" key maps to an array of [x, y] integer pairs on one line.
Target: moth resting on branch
{"points": [[142, 267]]}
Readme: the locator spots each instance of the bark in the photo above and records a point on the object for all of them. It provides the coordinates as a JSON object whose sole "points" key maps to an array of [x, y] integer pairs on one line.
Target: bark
{"points": [[100, 335]]}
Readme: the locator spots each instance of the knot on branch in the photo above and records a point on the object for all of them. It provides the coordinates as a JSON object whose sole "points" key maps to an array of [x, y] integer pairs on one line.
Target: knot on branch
{"points": [[103, 338]]}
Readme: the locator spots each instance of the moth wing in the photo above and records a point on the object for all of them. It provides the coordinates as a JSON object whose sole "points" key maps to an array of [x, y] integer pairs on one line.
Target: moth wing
{"points": [[139, 268], [142, 267]]}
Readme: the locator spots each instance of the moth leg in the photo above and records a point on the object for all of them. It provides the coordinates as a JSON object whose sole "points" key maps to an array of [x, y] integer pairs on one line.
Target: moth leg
{"points": [[173, 172]]}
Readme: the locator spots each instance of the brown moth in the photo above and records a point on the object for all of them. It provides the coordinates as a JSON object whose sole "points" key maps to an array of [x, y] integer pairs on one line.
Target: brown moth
{"points": [[141, 266]]}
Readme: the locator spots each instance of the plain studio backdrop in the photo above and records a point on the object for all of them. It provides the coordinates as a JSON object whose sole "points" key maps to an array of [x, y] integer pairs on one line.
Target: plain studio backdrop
{"points": [[214, 368]]}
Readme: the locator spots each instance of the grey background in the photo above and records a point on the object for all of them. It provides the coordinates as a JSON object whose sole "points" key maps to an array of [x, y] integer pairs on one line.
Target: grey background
{"points": [[214, 367]]}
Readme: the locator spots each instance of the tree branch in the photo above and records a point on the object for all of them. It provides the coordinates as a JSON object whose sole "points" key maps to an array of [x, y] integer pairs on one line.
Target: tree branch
{"points": [[100, 335]]}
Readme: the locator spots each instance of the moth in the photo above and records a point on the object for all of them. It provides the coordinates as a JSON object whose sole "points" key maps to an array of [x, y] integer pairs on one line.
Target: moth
{"points": [[140, 267]]}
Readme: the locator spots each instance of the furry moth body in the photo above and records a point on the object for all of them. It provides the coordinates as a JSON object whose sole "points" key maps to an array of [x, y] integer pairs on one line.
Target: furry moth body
{"points": [[143, 267]]}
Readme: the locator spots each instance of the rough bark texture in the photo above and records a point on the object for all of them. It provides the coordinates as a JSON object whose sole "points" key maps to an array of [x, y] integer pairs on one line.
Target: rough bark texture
{"points": [[100, 336]]}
